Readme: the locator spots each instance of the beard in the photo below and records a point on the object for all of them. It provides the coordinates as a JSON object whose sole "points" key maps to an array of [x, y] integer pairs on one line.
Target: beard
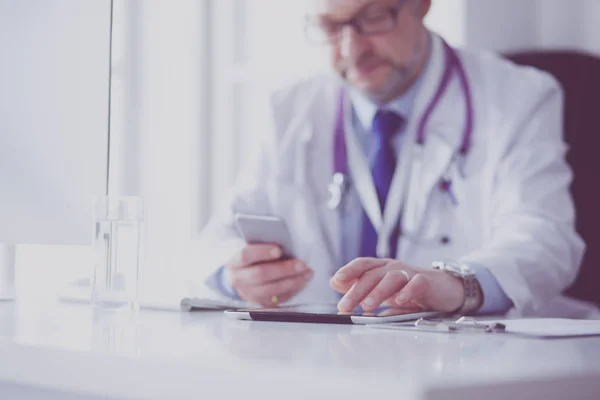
{"points": [[399, 78]]}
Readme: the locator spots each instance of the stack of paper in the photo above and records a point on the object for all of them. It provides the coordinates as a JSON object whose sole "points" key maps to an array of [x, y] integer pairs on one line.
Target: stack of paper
{"points": [[198, 303]]}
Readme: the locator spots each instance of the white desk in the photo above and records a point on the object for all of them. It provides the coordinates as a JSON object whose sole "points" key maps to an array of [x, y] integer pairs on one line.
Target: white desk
{"points": [[66, 351]]}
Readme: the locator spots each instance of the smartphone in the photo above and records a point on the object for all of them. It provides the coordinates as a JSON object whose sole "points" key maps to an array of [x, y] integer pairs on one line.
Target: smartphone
{"points": [[257, 229]]}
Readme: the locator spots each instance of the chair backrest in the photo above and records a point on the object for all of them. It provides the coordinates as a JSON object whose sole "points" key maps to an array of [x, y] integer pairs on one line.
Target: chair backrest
{"points": [[579, 75]]}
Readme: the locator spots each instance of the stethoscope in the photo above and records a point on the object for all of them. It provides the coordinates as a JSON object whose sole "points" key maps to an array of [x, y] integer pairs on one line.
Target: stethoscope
{"points": [[340, 183]]}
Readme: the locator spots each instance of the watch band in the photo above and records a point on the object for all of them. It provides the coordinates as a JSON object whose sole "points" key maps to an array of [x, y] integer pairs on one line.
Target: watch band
{"points": [[473, 293]]}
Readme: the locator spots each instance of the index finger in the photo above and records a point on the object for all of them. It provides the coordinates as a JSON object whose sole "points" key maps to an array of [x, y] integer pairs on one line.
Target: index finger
{"points": [[350, 272], [253, 254]]}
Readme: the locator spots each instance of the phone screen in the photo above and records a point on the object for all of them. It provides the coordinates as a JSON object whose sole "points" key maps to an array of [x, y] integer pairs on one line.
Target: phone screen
{"points": [[257, 229]]}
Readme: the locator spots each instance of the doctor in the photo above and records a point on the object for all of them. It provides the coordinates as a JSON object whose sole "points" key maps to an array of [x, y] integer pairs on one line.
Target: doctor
{"points": [[418, 176]]}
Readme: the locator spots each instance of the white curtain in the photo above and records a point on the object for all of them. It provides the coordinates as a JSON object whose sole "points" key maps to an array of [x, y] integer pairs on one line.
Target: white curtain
{"points": [[160, 141]]}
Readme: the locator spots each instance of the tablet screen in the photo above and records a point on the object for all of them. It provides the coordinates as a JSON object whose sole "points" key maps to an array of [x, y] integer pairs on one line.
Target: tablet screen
{"points": [[328, 313], [331, 309]]}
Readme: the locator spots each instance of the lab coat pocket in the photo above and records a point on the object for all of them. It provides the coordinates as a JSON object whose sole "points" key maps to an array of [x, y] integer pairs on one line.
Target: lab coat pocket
{"points": [[434, 239], [468, 213]]}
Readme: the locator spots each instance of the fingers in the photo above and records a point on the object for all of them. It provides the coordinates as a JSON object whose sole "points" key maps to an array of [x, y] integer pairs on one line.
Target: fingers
{"points": [[261, 274], [342, 287], [253, 254], [391, 302], [258, 274], [361, 289], [345, 278], [284, 289], [432, 290], [392, 282], [415, 294], [390, 312]]}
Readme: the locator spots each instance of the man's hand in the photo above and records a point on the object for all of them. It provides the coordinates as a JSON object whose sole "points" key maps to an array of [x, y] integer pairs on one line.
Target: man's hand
{"points": [[258, 273], [371, 282]]}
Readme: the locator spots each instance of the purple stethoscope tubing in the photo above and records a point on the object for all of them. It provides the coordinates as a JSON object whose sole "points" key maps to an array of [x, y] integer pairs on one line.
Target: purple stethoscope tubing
{"points": [[453, 63]]}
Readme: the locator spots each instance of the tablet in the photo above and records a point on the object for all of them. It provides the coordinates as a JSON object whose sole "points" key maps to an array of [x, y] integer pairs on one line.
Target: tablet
{"points": [[327, 314]]}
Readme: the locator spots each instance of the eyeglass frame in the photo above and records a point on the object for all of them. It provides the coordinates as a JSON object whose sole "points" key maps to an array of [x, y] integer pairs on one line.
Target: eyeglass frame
{"points": [[355, 22]]}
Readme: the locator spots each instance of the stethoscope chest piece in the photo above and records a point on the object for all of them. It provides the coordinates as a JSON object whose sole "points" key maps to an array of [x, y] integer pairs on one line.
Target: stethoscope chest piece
{"points": [[337, 190]]}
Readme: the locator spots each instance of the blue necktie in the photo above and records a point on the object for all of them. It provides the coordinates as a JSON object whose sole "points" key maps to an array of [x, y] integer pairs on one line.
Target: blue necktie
{"points": [[386, 125]]}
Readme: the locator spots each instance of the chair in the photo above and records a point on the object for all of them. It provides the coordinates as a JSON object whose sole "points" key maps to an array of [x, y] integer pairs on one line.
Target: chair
{"points": [[579, 75]]}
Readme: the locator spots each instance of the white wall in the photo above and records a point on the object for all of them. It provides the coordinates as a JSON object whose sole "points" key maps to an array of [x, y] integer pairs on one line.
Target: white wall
{"points": [[508, 25], [159, 142], [501, 25], [53, 118], [570, 24], [448, 18]]}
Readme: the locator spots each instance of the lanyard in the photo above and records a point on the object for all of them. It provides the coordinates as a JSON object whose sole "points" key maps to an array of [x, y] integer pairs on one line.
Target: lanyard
{"points": [[349, 158]]}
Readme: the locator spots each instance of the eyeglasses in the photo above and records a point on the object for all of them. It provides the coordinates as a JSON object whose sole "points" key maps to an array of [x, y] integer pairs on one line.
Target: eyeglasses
{"points": [[375, 19]]}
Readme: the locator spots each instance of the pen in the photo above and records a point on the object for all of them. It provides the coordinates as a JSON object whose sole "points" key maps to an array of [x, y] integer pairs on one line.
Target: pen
{"points": [[446, 187]]}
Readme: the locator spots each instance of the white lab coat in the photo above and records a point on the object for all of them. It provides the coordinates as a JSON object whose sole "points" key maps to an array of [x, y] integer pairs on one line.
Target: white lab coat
{"points": [[514, 214]]}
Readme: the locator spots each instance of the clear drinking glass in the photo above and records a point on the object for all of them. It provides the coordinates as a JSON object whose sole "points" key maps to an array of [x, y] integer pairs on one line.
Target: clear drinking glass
{"points": [[117, 246]]}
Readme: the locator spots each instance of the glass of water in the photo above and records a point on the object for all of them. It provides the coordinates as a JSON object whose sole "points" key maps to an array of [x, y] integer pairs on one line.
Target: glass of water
{"points": [[117, 246]]}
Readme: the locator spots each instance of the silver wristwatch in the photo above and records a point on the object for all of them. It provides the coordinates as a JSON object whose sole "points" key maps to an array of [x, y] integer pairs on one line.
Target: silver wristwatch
{"points": [[473, 292]]}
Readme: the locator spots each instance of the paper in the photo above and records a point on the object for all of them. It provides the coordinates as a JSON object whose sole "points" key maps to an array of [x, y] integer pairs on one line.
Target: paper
{"points": [[197, 303], [543, 328], [552, 327]]}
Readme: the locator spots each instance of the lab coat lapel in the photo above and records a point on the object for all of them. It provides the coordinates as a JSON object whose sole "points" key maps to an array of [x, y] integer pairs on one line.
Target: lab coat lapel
{"points": [[443, 133], [316, 226], [437, 156], [320, 170]]}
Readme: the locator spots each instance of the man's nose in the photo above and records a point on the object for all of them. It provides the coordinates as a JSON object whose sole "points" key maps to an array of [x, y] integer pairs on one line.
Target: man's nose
{"points": [[352, 43]]}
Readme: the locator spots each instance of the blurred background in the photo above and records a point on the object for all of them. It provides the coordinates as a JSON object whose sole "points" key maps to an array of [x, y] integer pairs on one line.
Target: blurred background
{"points": [[189, 80]]}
